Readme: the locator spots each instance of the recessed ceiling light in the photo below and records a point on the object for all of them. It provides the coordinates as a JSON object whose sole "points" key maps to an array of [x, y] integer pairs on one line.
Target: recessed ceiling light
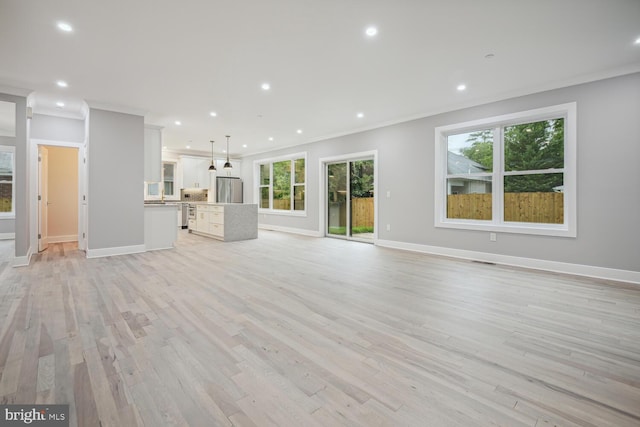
{"points": [[60, 104], [213, 114], [164, 148], [637, 41], [270, 138], [461, 87], [224, 151], [265, 86], [188, 147], [244, 145], [360, 115], [178, 122], [62, 83], [299, 131], [63, 26], [371, 31]]}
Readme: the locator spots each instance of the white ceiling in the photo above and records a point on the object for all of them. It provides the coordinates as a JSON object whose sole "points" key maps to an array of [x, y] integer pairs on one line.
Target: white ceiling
{"points": [[179, 60]]}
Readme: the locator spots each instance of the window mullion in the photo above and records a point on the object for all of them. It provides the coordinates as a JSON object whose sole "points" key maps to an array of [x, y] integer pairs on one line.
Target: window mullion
{"points": [[292, 187], [271, 185], [498, 182]]}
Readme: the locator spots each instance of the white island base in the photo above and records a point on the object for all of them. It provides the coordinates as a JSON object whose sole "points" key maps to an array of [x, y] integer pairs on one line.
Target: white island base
{"points": [[226, 221], [160, 231]]}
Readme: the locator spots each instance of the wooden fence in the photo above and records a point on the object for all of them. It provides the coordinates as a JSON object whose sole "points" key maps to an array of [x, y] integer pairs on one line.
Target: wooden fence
{"points": [[5, 205], [547, 208], [362, 212], [284, 204]]}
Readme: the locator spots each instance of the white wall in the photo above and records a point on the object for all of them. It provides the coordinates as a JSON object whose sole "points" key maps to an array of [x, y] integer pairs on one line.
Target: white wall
{"points": [[608, 177], [57, 128], [115, 191], [63, 194]]}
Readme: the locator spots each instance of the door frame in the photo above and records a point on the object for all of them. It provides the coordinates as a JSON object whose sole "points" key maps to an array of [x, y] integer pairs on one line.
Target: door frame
{"points": [[82, 185], [43, 198], [324, 180]]}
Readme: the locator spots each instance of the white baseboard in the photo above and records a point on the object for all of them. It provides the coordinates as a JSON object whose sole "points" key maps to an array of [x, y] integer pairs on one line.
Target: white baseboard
{"points": [[310, 233], [553, 266], [22, 261], [120, 250], [63, 239]]}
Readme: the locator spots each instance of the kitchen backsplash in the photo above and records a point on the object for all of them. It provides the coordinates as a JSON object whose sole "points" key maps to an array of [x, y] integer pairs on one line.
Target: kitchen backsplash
{"points": [[193, 194]]}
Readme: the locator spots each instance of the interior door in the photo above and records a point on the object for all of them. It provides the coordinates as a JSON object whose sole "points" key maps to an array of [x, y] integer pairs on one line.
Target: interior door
{"points": [[350, 200], [82, 196], [43, 198]]}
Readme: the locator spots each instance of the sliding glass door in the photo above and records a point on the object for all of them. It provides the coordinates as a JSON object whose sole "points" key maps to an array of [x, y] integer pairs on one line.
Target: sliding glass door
{"points": [[350, 199]]}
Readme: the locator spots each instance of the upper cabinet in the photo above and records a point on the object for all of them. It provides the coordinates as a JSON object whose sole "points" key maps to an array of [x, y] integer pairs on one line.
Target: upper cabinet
{"points": [[152, 153], [234, 171], [195, 172]]}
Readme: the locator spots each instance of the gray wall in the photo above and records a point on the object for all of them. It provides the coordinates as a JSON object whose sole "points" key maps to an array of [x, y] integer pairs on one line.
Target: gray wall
{"points": [[608, 176], [19, 226], [57, 128], [116, 192]]}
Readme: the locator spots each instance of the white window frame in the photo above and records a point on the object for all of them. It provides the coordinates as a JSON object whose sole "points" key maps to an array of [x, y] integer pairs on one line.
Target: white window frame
{"points": [[175, 179], [257, 184], [12, 214], [567, 229], [160, 184]]}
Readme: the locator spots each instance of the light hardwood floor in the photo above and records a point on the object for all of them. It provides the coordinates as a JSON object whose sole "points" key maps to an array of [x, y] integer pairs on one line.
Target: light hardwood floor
{"points": [[288, 330]]}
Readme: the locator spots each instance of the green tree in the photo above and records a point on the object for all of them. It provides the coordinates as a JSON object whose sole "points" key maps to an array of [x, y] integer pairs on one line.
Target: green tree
{"points": [[481, 149], [528, 146], [534, 146], [362, 178], [282, 180]]}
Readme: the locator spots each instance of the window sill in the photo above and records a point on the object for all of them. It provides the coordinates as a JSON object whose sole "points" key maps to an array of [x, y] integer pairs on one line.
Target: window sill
{"points": [[7, 216], [555, 230], [282, 213]]}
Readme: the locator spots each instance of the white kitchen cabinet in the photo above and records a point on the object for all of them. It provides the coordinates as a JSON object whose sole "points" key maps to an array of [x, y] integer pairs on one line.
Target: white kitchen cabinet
{"points": [[195, 171], [234, 171], [152, 153], [216, 221], [202, 218]]}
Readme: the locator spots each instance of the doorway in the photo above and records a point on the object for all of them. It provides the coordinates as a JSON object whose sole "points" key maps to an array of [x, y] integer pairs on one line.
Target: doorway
{"points": [[58, 195], [58, 205], [350, 195]]}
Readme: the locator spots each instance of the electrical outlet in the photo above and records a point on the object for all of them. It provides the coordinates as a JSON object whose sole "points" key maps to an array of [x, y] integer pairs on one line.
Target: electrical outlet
{"points": [[493, 237], [388, 227]]}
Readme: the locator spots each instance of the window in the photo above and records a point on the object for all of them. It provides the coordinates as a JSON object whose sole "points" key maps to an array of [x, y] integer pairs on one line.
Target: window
{"points": [[168, 178], [154, 190], [7, 173], [281, 184], [513, 173]]}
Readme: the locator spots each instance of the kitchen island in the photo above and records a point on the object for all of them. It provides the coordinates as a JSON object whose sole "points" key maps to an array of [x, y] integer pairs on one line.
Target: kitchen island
{"points": [[228, 222], [160, 231]]}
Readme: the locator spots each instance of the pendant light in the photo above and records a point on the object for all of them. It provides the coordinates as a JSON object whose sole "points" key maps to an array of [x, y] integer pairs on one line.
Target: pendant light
{"points": [[213, 166], [227, 165]]}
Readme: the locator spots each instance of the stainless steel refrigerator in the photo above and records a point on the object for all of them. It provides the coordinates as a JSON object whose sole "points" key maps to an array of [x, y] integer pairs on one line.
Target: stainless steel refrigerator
{"points": [[228, 189]]}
